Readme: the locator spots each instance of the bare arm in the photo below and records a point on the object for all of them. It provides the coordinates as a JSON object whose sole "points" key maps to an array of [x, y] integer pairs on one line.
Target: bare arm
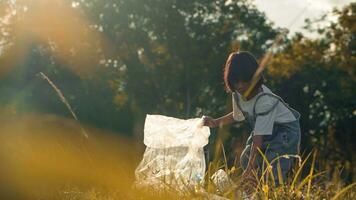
{"points": [[250, 181], [256, 144], [224, 120]]}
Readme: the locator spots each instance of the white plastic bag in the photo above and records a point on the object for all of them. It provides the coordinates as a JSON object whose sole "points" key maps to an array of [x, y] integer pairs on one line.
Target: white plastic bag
{"points": [[174, 155], [222, 181]]}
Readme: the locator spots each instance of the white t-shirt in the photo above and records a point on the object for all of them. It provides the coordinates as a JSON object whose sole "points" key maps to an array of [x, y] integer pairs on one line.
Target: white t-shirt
{"points": [[264, 123]]}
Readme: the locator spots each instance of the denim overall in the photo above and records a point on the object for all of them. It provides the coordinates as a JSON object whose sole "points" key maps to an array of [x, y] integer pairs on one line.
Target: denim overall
{"points": [[285, 140]]}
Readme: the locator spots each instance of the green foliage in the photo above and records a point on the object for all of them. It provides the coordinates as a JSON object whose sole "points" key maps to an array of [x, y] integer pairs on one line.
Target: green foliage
{"points": [[164, 56], [317, 76]]}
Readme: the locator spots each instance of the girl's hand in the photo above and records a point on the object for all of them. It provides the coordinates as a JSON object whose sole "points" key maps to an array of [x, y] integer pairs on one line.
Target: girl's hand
{"points": [[249, 182], [210, 122]]}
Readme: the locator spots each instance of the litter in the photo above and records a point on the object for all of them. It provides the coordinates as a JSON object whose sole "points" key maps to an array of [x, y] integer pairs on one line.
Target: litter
{"points": [[222, 181], [174, 156]]}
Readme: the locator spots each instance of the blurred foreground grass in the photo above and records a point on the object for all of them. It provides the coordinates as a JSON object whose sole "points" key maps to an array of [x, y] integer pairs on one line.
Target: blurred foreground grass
{"points": [[45, 157]]}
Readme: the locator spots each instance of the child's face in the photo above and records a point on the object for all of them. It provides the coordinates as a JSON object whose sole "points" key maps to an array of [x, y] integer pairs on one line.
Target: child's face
{"points": [[241, 86]]}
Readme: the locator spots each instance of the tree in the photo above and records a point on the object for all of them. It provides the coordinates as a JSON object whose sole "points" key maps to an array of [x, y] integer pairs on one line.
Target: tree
{"points": [[157, 56], [318, 77]]}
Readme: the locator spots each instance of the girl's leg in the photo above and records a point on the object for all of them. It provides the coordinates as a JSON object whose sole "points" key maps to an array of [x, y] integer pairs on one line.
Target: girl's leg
{"points": [[286, 142], [280, 169]]}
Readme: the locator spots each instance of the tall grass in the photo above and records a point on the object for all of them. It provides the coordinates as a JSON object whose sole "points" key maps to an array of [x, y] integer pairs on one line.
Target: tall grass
{"points": [[312, 185], [305, 182], [42, 159]]}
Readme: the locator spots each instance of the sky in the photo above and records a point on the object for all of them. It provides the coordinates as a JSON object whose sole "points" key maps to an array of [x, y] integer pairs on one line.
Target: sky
{"points": [[283, 12]]}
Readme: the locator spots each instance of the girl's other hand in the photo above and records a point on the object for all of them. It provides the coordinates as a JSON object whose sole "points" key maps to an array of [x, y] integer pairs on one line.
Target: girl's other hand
{"points": [[249, 182], [210, 122]]}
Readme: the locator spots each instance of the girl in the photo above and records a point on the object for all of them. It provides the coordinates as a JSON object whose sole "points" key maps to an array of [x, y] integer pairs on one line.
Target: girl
{"points": [[275, 125]]}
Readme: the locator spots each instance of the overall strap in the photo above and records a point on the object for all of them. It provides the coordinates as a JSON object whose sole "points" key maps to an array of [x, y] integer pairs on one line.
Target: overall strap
{"points": [[273, 107]]}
